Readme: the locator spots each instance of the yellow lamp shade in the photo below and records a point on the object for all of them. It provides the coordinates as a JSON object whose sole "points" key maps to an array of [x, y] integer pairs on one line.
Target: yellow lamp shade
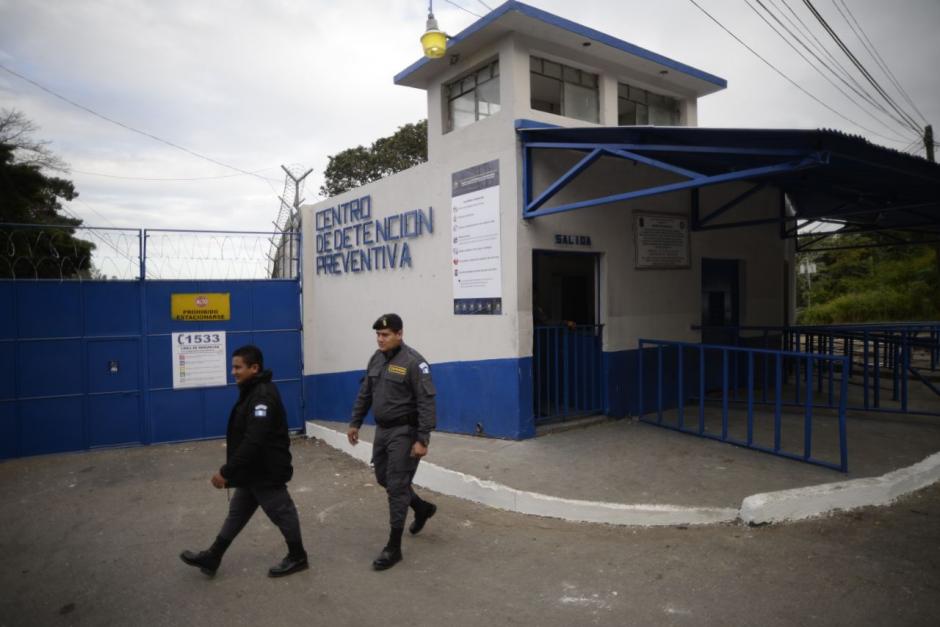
{"points": [[434, 43]]}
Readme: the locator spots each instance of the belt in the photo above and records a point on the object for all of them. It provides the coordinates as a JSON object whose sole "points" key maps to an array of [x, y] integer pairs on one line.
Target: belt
{"points": [[401, 421]]}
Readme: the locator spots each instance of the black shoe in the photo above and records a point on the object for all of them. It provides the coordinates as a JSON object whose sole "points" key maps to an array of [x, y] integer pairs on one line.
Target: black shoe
{"points": [[205, 561], [387, 558], [418, 523], [289, 565]]}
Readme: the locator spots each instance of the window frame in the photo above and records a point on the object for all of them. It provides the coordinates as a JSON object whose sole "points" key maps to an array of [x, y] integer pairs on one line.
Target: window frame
{"points": [[468, 83], [639, 97], [563, 73]]}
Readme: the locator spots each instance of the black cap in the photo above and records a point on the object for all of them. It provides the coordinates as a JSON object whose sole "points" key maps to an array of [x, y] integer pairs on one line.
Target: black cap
{"points": [[388, 321]]}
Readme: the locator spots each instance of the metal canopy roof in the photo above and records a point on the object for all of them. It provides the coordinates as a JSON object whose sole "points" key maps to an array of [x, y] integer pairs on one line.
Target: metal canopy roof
{"points": [[828, 177]]}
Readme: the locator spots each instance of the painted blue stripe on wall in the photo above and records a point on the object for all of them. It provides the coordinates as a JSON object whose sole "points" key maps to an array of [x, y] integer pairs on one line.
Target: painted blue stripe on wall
{"points": [[496, 393]]}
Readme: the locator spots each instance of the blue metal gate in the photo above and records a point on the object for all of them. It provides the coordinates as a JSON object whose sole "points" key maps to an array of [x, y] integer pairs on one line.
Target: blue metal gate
{"points": [[567, 372], [86, 364]]}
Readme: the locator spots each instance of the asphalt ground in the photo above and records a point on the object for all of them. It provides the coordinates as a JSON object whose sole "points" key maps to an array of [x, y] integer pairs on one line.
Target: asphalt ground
{"points": [[93, 539]]}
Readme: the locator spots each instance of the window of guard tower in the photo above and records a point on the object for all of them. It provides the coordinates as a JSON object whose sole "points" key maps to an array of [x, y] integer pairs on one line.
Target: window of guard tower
{"points": [[31, 252], [473, 97]]}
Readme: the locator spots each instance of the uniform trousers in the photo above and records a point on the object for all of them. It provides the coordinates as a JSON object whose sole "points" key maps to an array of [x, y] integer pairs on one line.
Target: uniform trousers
{"points": [[274, 501], [395, 468]]}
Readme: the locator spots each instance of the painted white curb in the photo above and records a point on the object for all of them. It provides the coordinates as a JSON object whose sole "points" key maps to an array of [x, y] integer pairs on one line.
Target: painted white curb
{"points": [[822, 499], [503, 497]]}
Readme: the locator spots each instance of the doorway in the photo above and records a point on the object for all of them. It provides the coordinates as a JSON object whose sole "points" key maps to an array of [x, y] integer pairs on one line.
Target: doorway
{"points": [[567, 362], [720, 300]]}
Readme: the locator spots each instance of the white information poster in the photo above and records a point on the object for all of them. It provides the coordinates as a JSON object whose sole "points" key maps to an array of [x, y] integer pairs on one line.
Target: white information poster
{"points": [[199, 359], [476, 261], [661, 241]]}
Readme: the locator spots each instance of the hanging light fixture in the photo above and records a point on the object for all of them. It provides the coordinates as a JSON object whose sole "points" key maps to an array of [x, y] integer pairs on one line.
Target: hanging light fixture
{"points": [[433, 40]]}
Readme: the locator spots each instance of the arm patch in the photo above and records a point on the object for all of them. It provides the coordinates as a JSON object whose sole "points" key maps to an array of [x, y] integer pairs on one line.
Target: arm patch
{"points": [[261, 411]]}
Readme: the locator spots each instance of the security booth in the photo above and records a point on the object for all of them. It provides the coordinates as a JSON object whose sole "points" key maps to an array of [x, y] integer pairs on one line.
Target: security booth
{"points": [[568, 210]]}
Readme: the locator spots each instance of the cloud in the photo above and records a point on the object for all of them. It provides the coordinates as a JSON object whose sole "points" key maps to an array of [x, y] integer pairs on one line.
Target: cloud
{"points": [[258, 84]]}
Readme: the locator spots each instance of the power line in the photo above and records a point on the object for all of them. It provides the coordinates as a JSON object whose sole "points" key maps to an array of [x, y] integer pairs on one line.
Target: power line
{"points": [[861, 68], [807, 31], [854, 86], [131, 128], [463, 8], [823, 63], [863, 37], [488, 7], [156, 179], [775, 69]]}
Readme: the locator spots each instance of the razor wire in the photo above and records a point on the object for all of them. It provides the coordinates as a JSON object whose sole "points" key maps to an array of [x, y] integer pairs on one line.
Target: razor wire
{"points": [[68, 253], [80, 253], [219, 255]]}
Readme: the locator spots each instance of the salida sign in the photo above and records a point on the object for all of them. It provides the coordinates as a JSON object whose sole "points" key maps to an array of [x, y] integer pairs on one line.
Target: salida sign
{"points": [[349, 239]]}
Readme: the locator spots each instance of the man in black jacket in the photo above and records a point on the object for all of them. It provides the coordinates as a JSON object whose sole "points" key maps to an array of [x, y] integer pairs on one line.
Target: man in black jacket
{"points": [[399, 390], [257, 465]]}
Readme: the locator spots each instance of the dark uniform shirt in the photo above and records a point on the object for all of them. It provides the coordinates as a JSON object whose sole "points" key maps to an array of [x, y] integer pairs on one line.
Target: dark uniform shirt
{"points": [[399, 389]]}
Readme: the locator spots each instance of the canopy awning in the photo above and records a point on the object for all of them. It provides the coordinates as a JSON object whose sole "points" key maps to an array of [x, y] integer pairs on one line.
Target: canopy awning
{"points": [[827, 177]]}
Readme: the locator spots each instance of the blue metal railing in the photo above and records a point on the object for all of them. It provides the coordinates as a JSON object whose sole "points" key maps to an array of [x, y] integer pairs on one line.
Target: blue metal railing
{"points": [[567, 371], [900, 354], [727, 375]]}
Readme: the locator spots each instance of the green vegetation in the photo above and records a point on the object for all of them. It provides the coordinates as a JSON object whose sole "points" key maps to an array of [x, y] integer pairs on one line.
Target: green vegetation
{"points": [[883, 284], [353, 167]]}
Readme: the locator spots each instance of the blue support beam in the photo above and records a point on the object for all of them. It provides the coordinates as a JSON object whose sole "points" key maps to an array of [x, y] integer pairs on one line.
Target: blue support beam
{"points": [[807, 161]]}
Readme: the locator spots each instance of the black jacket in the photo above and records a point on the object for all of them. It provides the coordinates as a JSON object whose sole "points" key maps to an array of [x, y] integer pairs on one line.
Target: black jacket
{"points": [[257, 441]]}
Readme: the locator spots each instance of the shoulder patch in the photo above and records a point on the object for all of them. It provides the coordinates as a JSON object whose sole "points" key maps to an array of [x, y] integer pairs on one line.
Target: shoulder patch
{"points": [[424, 367], [261, 411]]}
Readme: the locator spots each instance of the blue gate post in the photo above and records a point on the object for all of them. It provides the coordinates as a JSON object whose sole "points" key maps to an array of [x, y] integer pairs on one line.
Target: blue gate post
{"points": [[146, 431]]}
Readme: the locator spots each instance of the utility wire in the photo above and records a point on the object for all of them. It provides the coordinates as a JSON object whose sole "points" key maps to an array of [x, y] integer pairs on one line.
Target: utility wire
{"points": [[196, 178], [463, 8], [863, 37], [808, 32], [131, 128], [846, 77], [861, 68], [488, 7], [823, 63], [775, 69]]}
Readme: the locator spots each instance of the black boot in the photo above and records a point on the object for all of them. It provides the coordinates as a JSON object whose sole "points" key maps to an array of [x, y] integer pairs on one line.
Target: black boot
{"points": [[207, 561], [295, 561], [422, 516], [391, 554]]}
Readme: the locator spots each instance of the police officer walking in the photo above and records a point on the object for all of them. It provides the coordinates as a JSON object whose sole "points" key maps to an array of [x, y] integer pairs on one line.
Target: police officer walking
{"points": [[258, 466], [398, 388]]}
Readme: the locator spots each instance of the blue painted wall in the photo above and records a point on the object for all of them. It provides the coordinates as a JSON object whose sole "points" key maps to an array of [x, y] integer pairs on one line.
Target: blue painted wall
{"points": [[496, 393], [57, 338]]}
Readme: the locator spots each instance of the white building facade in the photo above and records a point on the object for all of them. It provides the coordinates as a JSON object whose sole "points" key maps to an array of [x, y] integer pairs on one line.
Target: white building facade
{"points": [[530, 319]]}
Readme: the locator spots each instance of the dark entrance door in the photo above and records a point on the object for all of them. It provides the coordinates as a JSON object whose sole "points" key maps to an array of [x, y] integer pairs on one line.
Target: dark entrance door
{"points": [[567, 364], [720, 300]]}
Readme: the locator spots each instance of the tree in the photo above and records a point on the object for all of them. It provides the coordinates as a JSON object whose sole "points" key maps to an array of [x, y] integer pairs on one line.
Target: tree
{"points": [[354, 167], [871, 284], [28, 196]]}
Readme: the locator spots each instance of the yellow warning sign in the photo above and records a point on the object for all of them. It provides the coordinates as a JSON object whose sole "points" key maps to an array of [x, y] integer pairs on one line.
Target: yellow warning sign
{"points": [[200, 307]]}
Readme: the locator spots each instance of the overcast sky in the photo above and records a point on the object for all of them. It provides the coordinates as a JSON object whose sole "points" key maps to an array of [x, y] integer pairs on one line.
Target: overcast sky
{"points": [[259, 84]]}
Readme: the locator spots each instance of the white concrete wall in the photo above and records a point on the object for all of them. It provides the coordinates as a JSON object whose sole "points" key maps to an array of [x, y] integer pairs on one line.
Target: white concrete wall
{"points": [[660, 304], [339, 309]]}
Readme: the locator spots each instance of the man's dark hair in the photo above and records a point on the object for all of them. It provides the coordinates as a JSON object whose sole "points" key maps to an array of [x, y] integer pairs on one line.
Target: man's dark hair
{"points": [[250, 355]]}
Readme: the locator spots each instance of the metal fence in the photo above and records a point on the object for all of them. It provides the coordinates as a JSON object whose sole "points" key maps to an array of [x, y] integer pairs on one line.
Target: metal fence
{"points": [[672, 374], [567, 372], [69, 253], [891, 367]]}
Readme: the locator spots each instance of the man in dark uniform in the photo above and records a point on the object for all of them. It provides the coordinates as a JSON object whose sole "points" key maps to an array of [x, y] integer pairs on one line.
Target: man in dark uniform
{"points": [[258, 466], [398, 388]]}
